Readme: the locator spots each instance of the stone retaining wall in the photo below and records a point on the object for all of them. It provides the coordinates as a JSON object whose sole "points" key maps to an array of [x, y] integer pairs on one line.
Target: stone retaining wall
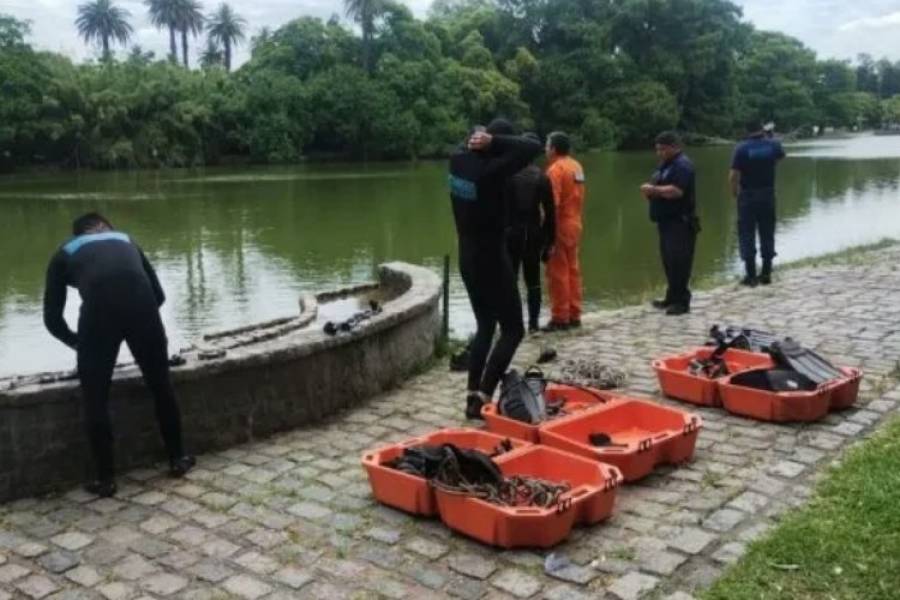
{"points": [[251, 393]]}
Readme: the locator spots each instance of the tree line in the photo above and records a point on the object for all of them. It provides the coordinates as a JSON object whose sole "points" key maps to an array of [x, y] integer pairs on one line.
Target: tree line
{"points": [[611, 72]]}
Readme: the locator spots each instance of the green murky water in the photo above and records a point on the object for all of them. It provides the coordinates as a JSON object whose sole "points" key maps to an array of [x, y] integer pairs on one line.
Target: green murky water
{"points": [[239, 246]]}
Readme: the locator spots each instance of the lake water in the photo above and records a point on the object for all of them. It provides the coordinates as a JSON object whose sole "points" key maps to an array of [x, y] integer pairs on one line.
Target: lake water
{"points": [[237, 246]]}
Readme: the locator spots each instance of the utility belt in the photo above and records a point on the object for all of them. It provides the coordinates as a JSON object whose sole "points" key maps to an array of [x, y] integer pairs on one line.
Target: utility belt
{"points": [[690, 219]]}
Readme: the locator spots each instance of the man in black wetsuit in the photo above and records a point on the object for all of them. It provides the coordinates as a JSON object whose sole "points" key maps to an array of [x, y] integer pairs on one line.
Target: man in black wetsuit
{"points": [[532, 230], [121, 296], [479, 174]]}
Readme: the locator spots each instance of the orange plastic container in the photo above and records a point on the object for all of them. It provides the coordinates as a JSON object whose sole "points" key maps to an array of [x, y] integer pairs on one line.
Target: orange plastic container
{"points": [[846, 391], [644, 435], [574, 400], [413, 494], [676, 380], [776, 406], [593, 483]]}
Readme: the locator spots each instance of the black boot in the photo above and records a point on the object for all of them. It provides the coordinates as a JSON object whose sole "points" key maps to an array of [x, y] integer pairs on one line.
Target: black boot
{"points": [[179, 467], [474, 402], [104, 488], [749, 279], [765, 277]]}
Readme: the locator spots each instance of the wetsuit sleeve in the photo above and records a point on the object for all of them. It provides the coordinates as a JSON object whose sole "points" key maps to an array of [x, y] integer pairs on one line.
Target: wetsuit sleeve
{"points": [[55, 302], [737, 162], [510, 154], [154, 280], [545, 193]]}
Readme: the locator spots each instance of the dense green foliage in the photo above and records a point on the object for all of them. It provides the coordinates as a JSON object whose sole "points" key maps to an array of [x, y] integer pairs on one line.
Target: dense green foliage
{"points": [[612, 73]]}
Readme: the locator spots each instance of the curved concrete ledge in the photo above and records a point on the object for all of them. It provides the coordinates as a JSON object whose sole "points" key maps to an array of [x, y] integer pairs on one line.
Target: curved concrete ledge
{"points": [[279, 376]]}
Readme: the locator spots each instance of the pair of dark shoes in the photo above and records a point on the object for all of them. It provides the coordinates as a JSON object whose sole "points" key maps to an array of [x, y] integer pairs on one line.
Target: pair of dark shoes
{"points": [[672, 309], [555, 326], [106, 488], [752, 281]]}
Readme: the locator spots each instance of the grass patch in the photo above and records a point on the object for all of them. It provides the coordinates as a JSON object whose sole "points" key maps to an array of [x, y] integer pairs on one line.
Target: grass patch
{"points": [[845, 545]]}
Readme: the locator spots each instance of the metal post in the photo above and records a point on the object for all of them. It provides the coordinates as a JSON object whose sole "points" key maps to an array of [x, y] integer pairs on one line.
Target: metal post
{"points": [[445, 328]]}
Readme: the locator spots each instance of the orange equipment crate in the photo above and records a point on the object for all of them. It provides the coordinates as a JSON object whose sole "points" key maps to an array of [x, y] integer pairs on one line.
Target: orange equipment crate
{"points": [[590, 500], [413, 494], [676, 380], [575, 399], [642, 435], [593, 483], [845, 391], [764, 405]]}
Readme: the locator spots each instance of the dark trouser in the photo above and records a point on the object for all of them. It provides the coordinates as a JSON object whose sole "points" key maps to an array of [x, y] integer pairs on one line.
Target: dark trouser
{"points": [[490, 281], [677, 239], [525, 253], [756, 213], [100, 334]]}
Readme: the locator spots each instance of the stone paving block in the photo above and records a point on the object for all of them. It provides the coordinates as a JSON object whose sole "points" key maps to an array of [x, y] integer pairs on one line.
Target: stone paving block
{"points": [[258, 563], [729, 553], [428, 548], [472, 565], [574, 573], [750, 502], [384, 535], [724, 519], [787, 469], [11, 572], [659, 562], [164, 584], [632, 586], [84, 576], [246, 587], [134, 567], [59, 562], [516, 582], [117, 590], [37, 586], [30, 550], [72, 540], [567, 592], [293, 577], [679, 596], [310, 510], [211, 571]]}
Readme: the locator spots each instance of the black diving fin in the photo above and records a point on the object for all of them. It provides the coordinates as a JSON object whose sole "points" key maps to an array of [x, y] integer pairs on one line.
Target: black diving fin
{"points": [[791, 355]]}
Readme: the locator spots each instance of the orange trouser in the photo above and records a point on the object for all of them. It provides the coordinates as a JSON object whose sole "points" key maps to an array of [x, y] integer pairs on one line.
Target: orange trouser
{"points": [[564, 282]]}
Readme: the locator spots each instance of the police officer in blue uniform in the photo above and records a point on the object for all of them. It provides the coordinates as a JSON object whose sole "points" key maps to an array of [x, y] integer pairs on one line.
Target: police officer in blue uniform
{"points": [[671, 196], [752, 180], [121, 296]]}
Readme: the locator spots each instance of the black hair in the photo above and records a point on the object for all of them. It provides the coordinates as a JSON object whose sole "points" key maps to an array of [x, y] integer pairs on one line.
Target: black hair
{"points": [[88, 221], [668, 138], [560, 142], [501, 126]]}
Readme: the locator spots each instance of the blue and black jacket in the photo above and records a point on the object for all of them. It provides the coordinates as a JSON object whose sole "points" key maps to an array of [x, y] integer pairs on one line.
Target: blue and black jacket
{"points": [[111, 273], [478, 183]]}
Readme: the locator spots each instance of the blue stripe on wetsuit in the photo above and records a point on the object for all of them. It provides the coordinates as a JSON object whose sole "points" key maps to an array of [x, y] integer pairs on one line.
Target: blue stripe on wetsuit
{"points": [[463, 189], [75, 244]]}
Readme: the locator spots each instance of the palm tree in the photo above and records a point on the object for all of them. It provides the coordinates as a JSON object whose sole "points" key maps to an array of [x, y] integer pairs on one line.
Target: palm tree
{"points": [[164, 13], [190, 20], [212, 56], [364, 12], [226, 28], [100, 20]]}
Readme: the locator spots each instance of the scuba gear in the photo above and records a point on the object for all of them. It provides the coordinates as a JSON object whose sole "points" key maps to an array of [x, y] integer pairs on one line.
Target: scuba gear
{"points": [[590, 374], [740, 338], [791, 355], [521, 401], [332, 328], [774, 380], [547, 355]]}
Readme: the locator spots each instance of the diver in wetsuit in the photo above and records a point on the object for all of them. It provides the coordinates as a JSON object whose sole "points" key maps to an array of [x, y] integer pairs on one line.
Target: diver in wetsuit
{"points": [[532, 230], [121, 296], [479, 173]]}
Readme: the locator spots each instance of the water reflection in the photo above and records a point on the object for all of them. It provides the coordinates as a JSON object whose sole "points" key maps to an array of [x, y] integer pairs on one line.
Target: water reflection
{"points": [[239, 246]]}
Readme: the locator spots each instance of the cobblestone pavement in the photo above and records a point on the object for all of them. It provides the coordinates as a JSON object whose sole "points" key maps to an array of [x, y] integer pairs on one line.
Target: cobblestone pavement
{"points": [[291, 516]]}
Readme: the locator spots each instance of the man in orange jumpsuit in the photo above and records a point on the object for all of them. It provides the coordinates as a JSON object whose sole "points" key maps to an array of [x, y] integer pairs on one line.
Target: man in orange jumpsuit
{"points": [[563, 271]]}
